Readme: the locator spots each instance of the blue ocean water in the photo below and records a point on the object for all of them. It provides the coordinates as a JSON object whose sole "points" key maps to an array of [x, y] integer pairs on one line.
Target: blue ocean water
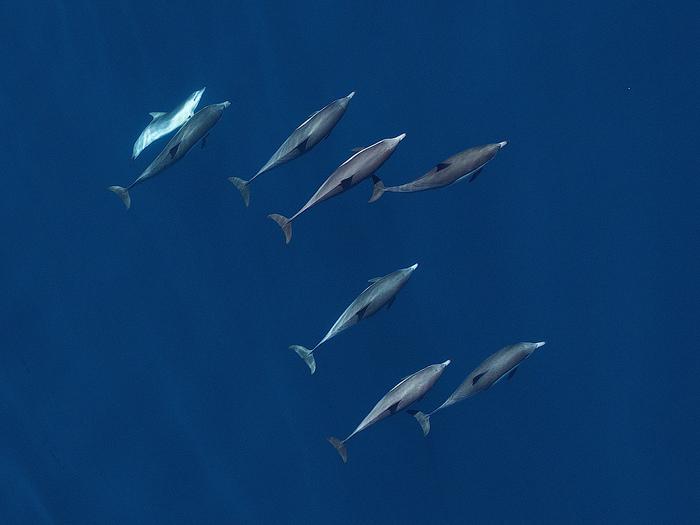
{"points": [[144, 370]]}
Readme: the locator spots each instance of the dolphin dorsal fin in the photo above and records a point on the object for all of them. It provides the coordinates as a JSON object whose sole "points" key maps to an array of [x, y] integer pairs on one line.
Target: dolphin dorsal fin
{"points": [[156, 114], [477, 377], [361, 313]]}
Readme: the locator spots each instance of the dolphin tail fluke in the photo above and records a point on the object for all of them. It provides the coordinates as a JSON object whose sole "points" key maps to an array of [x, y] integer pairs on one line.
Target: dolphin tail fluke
{"points": [[377, 188], [423, 420], [340, 447], [283, 223], [307, 355], [242, 186], [123, 194]]}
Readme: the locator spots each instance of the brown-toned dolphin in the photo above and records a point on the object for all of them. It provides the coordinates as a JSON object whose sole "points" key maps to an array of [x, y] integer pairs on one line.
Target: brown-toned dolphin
{"points": [[350, 173], [502, 364], [466, 165], [409, 390], [381, 292], [195, 129], [309, 133]]}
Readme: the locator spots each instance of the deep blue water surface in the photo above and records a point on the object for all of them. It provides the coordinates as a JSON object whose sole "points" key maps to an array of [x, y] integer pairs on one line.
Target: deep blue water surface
{"points": [[144, 369]]}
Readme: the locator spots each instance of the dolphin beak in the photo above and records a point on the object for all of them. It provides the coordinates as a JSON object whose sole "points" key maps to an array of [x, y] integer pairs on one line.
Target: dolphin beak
{"points": [[541, 343], [350, 95], [400, 137], [446, 363], [501, 144], [226, 104], [412, 268]]}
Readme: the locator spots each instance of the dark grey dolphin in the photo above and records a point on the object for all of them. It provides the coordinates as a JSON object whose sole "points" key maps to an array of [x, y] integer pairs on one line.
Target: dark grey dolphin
{"points": [[409, 390], [502, 364], [464, 165], [381, 292], [350, 173], [196, 128], [309, 133]]}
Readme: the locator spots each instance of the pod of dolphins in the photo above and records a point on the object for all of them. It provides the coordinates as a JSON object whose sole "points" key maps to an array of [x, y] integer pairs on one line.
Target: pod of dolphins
{"points": [[194, 127]]}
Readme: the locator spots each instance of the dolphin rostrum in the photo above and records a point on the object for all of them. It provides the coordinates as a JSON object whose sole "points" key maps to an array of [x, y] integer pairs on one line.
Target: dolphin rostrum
{"points": [[409, 390], [350, 173], [309, 133], [164, 123], [195, 128], [381, 292], [464, 165], [503, 363]]}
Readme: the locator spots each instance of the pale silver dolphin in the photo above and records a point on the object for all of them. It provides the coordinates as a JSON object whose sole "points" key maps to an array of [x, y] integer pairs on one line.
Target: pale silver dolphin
{"points": [[195, 129], [409, 390], [503, 363], [309, 133], [466, 165], [381, 292], [163, 123], [350, 173]]}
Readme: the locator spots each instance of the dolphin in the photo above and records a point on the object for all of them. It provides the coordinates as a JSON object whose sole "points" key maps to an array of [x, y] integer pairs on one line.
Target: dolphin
{"points": [[309, 133], [503, 363], [195, 128], [164, 123], [381, 292], [409, 390], [464, 165], [357, 168]]}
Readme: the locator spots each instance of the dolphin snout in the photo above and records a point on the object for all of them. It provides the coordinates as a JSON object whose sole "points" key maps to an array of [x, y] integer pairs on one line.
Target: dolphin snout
{"points": [[446, 363], [350, 95], [412, 268], [501, 144], [226, 104], [400, 137], [538, 345]]}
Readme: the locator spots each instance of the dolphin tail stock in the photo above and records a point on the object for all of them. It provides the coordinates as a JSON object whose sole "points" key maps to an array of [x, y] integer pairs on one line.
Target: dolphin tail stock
{"points": [[340, 447], [242, 186], [307, 355], [423, 420], [123, 194], [378, 188], [283, 223]]}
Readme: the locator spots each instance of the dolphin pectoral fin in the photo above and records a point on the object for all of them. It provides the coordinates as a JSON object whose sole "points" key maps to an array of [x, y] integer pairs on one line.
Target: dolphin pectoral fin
{"points": [[361, 313], [390, 302], [472, 177], [442, 166], [512, 373], [423, 420], [340, 447], [301, 147], [346, 183], [156, 114], [377, 188], [173, 150], [204, 140], [392, 408], [477, 377]]}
